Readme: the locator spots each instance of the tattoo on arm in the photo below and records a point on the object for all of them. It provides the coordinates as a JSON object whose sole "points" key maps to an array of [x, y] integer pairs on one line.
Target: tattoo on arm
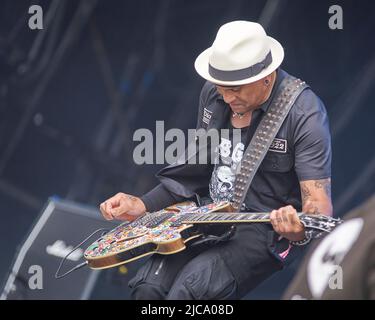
{"points": [[309, 189], [324, 184], [305, 192]]}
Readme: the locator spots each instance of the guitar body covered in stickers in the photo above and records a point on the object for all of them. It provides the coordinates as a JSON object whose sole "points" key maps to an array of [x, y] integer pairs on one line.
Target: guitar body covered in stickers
{"points": [[159, 232]]}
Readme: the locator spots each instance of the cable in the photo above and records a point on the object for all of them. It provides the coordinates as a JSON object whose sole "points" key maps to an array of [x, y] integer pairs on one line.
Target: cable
{"points": [[79, 266]]}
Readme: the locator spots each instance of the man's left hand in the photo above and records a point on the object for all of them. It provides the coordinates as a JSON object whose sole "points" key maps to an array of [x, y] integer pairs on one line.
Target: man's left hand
{"points": [[286, 223]]}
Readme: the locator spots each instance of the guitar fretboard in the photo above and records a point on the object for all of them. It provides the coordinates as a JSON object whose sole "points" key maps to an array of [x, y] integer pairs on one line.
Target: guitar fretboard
{"points": [[316, 221], [221, 217]]}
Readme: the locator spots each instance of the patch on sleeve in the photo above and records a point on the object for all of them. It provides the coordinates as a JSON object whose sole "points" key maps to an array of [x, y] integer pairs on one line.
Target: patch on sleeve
{"points": [[279, 145], [207, 114]]}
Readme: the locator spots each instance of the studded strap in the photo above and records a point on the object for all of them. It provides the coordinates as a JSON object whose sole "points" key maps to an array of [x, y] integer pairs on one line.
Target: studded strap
{"points": [[288, 91]]}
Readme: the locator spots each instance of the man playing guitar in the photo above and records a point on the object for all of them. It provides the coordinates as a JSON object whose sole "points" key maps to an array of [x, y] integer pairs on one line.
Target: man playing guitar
{"points": [[243, 77]]}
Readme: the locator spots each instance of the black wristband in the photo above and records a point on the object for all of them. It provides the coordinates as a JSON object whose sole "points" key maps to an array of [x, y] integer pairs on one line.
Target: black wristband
{"points": [[304, 241]]}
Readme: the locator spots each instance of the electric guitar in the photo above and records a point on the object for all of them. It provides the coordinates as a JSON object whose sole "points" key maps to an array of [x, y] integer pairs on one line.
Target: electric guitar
{"points": [[167, 231]]}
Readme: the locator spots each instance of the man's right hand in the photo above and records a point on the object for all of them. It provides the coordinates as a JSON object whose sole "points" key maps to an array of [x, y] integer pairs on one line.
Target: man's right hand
{"points": [[122, 207]]}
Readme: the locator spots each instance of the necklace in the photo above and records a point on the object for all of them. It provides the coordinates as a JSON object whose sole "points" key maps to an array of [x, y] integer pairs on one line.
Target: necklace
{"points": [[238, 114]]}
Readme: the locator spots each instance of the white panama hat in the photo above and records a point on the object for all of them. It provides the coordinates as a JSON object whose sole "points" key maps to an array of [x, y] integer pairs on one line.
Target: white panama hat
{"points": [[242, 53]]}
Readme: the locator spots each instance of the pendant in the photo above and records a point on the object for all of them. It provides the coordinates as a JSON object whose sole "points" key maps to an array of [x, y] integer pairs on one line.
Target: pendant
{"points": [[237, 114]]}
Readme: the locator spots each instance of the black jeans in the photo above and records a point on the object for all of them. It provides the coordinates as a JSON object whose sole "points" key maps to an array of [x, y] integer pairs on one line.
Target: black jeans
{"points": [[227, 270]]}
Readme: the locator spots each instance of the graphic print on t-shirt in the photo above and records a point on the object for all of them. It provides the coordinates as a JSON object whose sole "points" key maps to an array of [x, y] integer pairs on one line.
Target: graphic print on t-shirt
{"points": [[224, 173]]}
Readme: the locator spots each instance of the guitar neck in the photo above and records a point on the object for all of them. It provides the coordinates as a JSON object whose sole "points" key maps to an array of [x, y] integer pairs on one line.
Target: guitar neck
{"points": [[225, 217]]}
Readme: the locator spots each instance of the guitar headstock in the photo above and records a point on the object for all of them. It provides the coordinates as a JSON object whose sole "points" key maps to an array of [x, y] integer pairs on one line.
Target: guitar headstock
{"points": [[319, 222]]}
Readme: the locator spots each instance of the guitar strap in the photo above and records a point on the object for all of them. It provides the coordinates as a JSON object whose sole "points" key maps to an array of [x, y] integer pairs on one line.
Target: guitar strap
{"points": [[287, 93]]}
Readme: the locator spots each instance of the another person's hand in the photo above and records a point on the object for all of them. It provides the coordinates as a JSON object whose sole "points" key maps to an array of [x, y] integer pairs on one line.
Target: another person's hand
{"points": [[122, 207], [286, 223]]}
